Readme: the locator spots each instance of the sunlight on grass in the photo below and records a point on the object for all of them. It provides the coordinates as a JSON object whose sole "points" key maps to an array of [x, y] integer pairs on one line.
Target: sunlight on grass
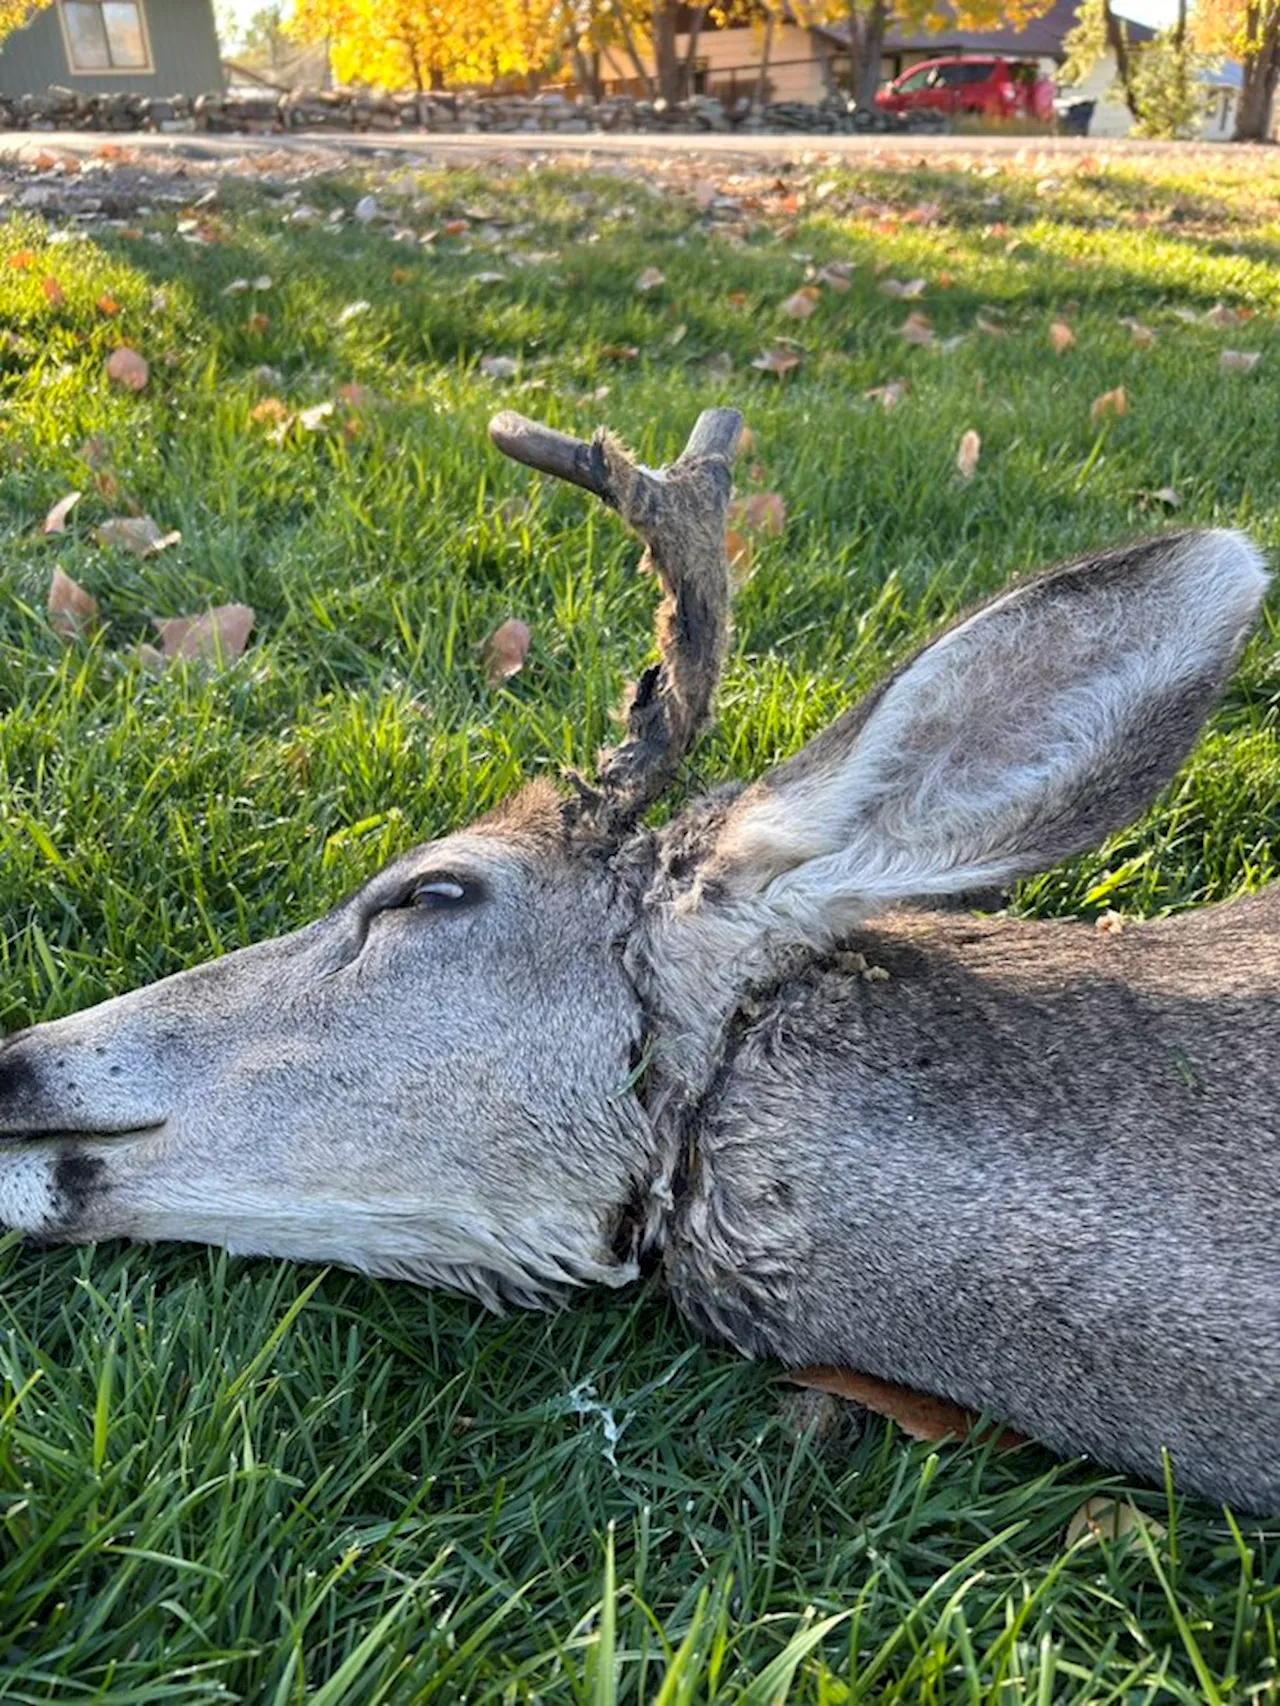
{"points": [[239, 1481]]}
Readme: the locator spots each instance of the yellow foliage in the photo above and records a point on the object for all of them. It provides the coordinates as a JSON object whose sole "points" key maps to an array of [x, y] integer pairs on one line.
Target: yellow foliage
{"points": [[426, 44], [15, 13]]}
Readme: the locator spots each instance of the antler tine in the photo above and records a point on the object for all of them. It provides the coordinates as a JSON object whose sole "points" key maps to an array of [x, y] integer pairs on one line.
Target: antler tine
{"points": [[681, 514]]}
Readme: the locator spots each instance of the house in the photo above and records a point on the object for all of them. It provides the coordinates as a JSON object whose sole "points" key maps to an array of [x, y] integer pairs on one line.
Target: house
{"points": [[802, 60], [136, 47]]}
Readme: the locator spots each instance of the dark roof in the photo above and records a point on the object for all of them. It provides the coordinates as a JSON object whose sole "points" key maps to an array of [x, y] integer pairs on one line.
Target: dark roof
{"points": [[1041, 38]]}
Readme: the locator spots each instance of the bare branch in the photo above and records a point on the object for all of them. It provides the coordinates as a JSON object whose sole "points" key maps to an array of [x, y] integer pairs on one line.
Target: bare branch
{"points": [[680, 512]]}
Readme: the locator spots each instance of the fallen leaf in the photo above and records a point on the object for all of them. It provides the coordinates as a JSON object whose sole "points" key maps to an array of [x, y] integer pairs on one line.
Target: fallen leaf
{"points": [[1166, 495], [71, 609], [803, 303], [489, 278], [366, 209], [455, 227], [908, 292], [1141, 335], [888, 396], [649, 280], [219, 635], [1110, 1519], [1218, 315], [919, 1414], [315, 418], [836, 274], [761, 512], [501, 366], [401, 275], [505, 651], [22, 259], [95, 450], [257, 323], [1239, 360], [136, 533], [985, 324], [1061, 336], [737, 299], [967, 455], [357, 397], [352, 311], [236, 286], [126, 368], [777, 361], [1108, 404], [54, 293], [56, 520], [108, 305], [677, 335], [270, 409], [917, 328], [704, 193]]}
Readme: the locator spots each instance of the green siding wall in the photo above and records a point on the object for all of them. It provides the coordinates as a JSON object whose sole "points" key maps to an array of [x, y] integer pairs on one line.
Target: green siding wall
{"points": [[184, 51]]}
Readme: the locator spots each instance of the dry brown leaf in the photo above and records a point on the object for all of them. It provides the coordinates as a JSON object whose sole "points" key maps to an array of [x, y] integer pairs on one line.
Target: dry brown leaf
{"points": [[71, 609], [22, 259], [1218, 315], [704, 193], [649, 280], [986, 324], [908, 292], [126, 368], [617, 352], [836, 275], [1110, 1519], [108, 305], [1141, 335], [270, 409], [1239, 360], [967, 455], [56, 520], [505, 651], [54, 293], [136, 533], [257, 323], [1108, 404], [802, 303], [777, 361], [917, 328], [1061, 336], [1165, 495], [219, 635], [919, 1414], [760, 512], [890, 395], [737, 299]]}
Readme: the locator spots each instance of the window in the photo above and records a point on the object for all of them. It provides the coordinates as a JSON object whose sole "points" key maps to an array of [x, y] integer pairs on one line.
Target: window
{"points": [[917, 80], [105, 35]]}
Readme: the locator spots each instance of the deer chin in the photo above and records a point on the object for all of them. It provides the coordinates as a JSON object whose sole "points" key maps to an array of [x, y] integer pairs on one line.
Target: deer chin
{"points": [[75, 1189]]}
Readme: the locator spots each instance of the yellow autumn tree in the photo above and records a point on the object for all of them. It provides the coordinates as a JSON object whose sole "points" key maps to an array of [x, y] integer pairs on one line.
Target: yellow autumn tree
{"points": [[1247, 31], [15, 13], [397, 44]]}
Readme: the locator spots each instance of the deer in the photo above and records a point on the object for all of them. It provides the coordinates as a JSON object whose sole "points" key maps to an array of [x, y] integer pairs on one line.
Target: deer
{"points": [[756, 1049]]}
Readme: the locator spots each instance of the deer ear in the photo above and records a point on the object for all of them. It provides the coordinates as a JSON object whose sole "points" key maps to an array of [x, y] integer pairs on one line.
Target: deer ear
{"points": [[1030, 731]]}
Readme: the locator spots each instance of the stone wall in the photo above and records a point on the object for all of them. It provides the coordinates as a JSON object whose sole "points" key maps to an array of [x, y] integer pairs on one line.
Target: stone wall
{"points": [[365, 111]]}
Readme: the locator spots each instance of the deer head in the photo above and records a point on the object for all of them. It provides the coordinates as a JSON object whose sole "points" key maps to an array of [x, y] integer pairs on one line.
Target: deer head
{"points": [[481, 1068]]}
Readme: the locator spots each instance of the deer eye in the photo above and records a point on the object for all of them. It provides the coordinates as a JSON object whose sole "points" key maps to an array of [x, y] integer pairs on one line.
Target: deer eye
{"points": [[436, 893]]}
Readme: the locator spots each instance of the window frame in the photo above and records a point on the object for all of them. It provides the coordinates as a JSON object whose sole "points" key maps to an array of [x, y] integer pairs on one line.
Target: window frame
{"points": [[148, 69]]}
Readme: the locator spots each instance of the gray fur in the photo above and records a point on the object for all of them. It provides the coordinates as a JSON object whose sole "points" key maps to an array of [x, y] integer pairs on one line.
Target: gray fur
{"points": [[1028, 1167]]}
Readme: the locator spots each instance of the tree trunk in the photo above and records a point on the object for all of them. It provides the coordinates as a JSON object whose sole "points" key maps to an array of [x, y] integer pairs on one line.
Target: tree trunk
{"points": [[691, 52], [1118, 42], [646, 82], [766, 53], [1261, 71], [666, 61], [868, 73]]}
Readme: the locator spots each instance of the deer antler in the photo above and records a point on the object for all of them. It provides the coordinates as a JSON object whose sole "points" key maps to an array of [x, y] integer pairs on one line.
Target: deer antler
{"points": [[681, 513]]}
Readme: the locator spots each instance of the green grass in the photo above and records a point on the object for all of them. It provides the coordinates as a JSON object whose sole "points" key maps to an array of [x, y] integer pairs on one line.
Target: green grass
{"points": [[227, 1480]]}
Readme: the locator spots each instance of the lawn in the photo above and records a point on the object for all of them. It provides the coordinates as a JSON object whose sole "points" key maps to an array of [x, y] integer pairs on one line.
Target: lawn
{"points": [[235, 1480]]}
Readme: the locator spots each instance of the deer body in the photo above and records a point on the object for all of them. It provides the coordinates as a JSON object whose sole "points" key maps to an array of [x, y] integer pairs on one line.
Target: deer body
{"points": [[1027, 1167], [1052, 1146]]}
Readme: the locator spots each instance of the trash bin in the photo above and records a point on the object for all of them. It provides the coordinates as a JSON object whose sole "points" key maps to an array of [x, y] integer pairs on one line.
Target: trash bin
{"points": [[1074, 117]]}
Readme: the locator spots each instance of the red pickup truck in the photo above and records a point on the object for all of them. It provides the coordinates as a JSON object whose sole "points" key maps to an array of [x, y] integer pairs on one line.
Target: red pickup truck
{"points": [[984, 85]]}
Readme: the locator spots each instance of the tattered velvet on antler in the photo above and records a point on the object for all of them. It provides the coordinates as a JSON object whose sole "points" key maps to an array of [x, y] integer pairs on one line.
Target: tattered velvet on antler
{"points": [[680, 513]]}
